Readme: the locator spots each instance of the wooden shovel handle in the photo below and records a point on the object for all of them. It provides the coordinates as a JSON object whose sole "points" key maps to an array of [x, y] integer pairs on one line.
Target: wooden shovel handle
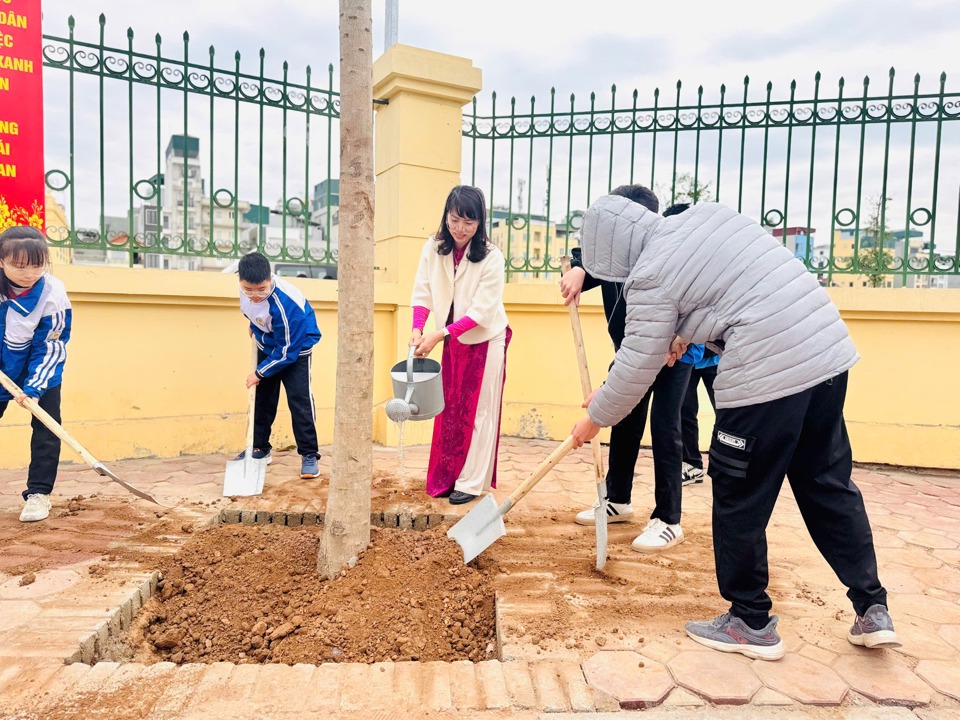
{"points": [[585, 384], [43, 416], [251, 400], [542, 469]]}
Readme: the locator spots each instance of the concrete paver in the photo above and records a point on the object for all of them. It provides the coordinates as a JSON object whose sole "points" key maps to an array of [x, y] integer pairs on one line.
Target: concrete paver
{"points": [[942, 676], [720, 678], [806, 681], [884, 681], [635, 681]]}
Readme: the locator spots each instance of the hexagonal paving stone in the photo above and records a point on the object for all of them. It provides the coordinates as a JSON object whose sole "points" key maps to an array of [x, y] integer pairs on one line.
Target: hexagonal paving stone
{"points": [[928, 539], [950, 633], [883, 681], [921, 641], [635, 681], [943, 675], [14, 613], [720, 678], [47, 582], [928, 608], [803, 679], [944, 577]]}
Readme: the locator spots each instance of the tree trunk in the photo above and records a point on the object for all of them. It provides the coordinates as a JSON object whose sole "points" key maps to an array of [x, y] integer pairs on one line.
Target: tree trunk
{"points": [[346, 531]]}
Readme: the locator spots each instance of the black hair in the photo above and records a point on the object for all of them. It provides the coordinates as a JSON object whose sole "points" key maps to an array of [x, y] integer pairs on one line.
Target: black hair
{"points": [[639, 194], [254, 268], [676, 209], [467, 202], [24, 246]]}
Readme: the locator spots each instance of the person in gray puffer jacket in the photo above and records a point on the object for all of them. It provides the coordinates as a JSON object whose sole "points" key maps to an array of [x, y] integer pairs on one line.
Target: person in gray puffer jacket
{"points": [[711, 275]]}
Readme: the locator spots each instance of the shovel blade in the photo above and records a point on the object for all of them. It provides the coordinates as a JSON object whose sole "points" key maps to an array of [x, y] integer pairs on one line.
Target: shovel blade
{"points": [[479, 528], [244, 477], [600, 521], [104, 471]]}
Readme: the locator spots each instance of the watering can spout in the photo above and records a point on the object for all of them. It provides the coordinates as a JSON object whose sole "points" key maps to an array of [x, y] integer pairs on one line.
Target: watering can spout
{"points": [[417, 389]]}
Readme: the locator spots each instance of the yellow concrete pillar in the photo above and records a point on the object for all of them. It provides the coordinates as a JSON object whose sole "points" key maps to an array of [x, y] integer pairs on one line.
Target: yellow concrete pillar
{"points": [[418, 141]]}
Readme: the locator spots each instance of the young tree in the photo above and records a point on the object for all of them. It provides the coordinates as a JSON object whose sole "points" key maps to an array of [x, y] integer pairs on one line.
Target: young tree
{"points": [[684, 188], [874, 255], [346, 531]]}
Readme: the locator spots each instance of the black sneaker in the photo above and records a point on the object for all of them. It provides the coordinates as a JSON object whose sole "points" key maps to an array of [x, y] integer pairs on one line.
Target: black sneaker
{"points": [[691, 475], [874, 629], [258, 454]]}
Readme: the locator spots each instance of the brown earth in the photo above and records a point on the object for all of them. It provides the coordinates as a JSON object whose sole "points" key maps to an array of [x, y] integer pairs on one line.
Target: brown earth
{"points": [[251, 594], [79, 529]]}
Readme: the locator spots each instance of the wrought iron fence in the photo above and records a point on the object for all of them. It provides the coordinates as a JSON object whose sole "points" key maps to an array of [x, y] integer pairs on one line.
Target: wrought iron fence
{"points": [[851, 162], [116, 109]]}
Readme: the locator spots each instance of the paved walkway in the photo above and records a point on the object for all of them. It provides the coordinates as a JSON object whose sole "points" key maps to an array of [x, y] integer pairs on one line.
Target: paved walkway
{"points": [[614, 658]]}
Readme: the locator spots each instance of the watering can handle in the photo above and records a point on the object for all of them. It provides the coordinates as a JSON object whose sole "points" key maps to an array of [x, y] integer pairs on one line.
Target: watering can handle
{"points": [[410, 364]]}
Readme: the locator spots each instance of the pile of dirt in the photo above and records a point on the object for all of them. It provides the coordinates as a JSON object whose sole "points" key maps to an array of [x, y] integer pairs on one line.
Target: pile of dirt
{"points": [[252, 594]]}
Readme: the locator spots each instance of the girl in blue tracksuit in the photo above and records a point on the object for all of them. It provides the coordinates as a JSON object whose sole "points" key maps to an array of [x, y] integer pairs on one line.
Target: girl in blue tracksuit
{"points": [[35, 318]]}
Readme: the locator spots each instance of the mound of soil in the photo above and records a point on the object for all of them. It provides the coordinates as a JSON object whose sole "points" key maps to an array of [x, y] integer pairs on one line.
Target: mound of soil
{"points": [[252, 594]]}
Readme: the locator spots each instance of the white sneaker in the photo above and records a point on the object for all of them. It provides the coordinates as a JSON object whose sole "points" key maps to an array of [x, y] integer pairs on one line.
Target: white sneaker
{"points": [[616, 512], [657, 536], [37, 508], [691, 474]]}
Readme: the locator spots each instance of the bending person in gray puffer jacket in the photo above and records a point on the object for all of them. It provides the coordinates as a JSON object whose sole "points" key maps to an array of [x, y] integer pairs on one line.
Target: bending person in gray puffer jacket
{"points": [[711, 275]]}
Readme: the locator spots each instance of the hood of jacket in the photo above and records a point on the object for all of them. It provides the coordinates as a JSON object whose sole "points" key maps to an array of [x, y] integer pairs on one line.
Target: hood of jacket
{"points": [[614, 232]]}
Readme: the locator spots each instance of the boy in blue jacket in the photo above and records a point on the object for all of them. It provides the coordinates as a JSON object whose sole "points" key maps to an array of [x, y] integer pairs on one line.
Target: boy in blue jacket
{"points": [[285, 329], [35, 319]]}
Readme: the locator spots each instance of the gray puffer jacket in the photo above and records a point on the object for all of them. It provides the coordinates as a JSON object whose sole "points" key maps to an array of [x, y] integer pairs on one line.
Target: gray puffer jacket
{"points": [[710, 274]]}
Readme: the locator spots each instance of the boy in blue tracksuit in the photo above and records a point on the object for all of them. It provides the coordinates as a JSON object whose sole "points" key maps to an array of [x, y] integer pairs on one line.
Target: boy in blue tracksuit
{"points": [[285, 329], [35, 320], [704, 370]]}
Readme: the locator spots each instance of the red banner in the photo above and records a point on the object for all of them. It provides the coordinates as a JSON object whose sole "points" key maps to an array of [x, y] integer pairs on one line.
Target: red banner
{"points": [[21, 114]]}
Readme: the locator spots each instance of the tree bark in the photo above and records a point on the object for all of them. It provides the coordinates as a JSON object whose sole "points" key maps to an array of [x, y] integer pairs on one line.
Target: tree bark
{"points": [[346, 531]]}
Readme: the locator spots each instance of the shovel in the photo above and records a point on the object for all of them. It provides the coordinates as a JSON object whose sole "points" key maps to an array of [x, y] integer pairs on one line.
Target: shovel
{"points": [[600, 512], [43, 416], [483, 526], [246, 476]]}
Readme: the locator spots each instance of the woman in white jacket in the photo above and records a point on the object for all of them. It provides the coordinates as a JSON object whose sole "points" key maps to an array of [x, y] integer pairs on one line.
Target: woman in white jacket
{"points": [[460, 281]]}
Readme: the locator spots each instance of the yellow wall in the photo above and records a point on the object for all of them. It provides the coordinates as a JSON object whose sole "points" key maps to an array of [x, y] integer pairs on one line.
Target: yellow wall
{"points": [[157, 361], [158, 357]]}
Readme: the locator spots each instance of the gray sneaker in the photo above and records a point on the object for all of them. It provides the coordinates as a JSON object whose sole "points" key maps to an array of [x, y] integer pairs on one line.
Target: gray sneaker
{"points": [[728, 633], [874, 629]]}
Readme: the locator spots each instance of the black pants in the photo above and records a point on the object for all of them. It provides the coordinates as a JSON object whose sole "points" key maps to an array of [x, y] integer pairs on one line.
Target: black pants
{"points": [[296, 383], [667, 395], [44, 446], [689, 429], [804, 437]]}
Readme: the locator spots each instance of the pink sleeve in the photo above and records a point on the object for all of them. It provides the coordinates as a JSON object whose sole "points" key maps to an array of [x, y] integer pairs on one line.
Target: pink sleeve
{"points": [[461, 326], [420, 315]]}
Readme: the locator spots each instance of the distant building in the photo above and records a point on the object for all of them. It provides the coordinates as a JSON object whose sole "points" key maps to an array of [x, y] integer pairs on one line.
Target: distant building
{"points": [[796, 239], [325, 216], [526, 239]]}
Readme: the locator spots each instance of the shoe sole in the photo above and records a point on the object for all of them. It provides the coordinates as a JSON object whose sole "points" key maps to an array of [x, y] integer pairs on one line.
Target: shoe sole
{"points": [[269, 459], [879, 639], [659, 548], [610, 519], [33, 519], [692, 482], [756, 652]]}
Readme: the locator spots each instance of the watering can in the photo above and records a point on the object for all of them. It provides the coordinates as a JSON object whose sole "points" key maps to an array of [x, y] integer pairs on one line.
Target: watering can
{"points": [[417, 389]]}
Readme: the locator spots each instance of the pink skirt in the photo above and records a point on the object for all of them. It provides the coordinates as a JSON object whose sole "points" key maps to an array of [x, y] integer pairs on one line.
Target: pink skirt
{"points": [[466, 435]]}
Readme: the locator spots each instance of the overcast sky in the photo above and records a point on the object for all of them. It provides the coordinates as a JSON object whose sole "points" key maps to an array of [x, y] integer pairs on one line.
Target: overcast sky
{"points": [[524, 48]]}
